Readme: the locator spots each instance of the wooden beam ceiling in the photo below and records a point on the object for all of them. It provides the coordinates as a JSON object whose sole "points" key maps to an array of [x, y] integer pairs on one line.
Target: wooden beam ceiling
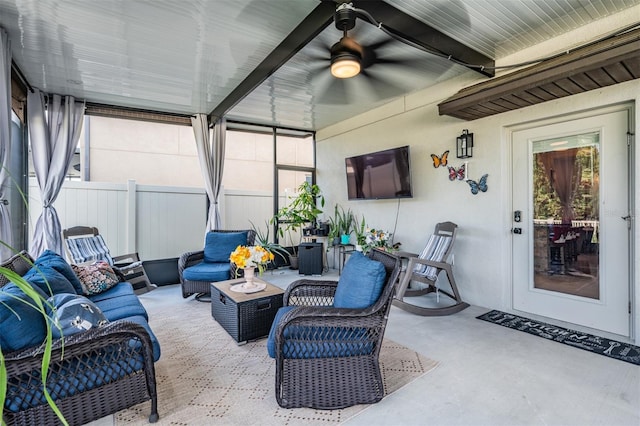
{"points": [[614, 60]]}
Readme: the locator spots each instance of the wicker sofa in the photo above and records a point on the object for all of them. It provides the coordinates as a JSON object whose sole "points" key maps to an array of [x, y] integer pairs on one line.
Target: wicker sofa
{"points": [[93, 373]]}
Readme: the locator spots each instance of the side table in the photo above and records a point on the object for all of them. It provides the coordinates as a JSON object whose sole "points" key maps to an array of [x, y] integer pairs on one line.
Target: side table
{"points": [[245, 316], [341, 251]]}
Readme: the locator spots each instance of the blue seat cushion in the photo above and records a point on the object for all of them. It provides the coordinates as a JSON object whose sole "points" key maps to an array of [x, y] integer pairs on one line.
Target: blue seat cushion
{"points": [[121, 307], [49, 280], [21, 325], [208, 271], [219, 245], [360, 284], [122, 288], [154, 340], [305, 342], [54, 260]]}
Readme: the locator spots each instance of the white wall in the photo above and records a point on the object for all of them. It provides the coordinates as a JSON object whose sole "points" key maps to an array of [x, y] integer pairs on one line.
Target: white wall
{"points": [[483, 247]]}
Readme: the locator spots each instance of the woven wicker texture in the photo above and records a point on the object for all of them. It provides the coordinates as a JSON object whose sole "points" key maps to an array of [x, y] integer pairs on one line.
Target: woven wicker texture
{"points": [[115, 362], [206, 378], [344, 369], [193, 257]]}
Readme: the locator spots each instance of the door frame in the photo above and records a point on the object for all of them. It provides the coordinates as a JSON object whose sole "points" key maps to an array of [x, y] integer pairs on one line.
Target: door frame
{"points": [[634, 239]]}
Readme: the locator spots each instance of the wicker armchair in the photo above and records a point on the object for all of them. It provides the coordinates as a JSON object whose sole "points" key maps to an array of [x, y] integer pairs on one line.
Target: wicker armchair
{"points": [[343, 368], [202, 289]]}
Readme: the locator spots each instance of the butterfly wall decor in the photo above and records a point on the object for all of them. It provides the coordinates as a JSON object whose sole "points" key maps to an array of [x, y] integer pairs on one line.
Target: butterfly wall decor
{"points": [[440, 161], [480, 185], [458, 173]]}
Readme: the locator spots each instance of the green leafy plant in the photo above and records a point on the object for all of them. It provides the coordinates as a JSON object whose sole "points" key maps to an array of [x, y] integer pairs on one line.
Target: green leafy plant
{"points": [[263, 239], [344, 220], [35, 301], [360, 229], [302, 209]]}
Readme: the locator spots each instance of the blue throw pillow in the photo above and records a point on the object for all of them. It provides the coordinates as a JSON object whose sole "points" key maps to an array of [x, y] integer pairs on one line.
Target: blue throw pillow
{"points": [[219, 245], [72, 313], [360, 284], [57, 262], [48, 280], [21, 325]]}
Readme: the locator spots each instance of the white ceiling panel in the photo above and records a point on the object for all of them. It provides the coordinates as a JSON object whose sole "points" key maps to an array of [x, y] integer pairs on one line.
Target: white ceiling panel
{"points": [[189, 56]]}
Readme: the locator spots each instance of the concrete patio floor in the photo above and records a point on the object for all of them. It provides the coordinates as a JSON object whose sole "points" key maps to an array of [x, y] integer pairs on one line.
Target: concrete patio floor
{"points": [[488, 375]]}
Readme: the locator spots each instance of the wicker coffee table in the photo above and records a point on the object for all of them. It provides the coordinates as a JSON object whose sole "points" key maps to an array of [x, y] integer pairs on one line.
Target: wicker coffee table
{"points": [[245, 316]]}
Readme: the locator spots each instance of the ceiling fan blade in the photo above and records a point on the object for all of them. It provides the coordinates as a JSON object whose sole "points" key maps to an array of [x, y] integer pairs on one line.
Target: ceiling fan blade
{"points": [[381, 85], [335, 93]]}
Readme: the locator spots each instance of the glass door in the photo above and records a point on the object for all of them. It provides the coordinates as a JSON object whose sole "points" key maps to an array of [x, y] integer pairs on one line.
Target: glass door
{"points": [[570, 221]]}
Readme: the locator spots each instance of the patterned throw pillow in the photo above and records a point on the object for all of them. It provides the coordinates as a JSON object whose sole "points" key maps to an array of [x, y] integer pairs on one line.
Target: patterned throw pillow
{"points": [[96, 277]]}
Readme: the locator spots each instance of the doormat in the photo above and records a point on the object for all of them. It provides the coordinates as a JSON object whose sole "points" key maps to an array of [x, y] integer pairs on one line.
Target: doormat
{"points": [[598, 345]]}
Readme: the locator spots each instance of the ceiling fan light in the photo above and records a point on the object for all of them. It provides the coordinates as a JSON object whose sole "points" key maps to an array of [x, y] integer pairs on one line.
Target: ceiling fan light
{"points": [[345, 67]]}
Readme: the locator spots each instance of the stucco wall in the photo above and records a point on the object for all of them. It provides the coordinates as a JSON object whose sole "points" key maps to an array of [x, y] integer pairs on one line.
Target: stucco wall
{"points": [[483, 249]]}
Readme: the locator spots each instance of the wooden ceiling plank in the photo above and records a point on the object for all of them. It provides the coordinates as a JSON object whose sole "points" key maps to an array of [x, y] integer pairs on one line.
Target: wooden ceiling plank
{"points": [[569, 86], [541, 94], [505, 104], [633, 65], [555, 90], [584, 81], [620, 48], [529, 97], [618, 72], [600, 76], [488, 108], [517, 100]]}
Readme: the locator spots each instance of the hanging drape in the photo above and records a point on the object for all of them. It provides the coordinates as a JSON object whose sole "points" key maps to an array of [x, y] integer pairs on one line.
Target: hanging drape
{"points": [[54, 138], [211, 146], [564, 175], [6, 237]]}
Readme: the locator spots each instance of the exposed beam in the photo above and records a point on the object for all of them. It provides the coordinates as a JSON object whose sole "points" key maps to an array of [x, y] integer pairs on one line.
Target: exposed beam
{"points": [[306, 31], [424, 35], [584, 69]]}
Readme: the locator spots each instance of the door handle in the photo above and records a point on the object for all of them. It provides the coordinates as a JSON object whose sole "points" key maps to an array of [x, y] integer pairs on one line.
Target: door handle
{"points": [[517, 231]]}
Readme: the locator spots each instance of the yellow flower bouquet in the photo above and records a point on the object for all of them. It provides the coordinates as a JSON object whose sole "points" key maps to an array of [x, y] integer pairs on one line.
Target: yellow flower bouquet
{"points": [[251, 257]]}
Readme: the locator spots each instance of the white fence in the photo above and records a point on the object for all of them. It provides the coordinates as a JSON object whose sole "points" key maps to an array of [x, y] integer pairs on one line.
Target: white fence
{"points": [[157, 222]]}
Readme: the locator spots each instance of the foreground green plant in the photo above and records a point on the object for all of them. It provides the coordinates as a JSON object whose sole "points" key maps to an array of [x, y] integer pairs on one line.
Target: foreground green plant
{"points": [[35, 301]]}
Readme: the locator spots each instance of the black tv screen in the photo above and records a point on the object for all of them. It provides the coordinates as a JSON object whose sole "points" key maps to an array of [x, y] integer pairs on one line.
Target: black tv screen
{"points": [[379, 175]]}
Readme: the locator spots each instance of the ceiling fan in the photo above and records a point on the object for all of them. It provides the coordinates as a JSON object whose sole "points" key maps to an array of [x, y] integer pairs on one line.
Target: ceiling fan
{"points": [[349, 59]]}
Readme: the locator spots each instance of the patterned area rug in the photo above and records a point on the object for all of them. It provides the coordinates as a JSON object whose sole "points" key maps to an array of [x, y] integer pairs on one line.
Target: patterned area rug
{"points": [[204, 377], [596, 344]]}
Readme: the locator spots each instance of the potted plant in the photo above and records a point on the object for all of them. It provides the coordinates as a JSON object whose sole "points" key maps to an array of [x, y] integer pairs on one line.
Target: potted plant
{"points": [[262, 239], [301, 210], [360, 229], [344, 222]]}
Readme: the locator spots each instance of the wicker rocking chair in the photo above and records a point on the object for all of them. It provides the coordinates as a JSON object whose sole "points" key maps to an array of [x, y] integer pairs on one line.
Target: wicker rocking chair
{"points": [[425, 269], [328, 357]]}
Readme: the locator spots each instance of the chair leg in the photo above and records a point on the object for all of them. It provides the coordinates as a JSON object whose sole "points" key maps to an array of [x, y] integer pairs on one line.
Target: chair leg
{"points": [[427, 311]]}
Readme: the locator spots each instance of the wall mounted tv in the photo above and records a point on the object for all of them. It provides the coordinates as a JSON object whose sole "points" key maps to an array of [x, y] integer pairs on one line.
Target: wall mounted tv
{"points": [[379, 175]]}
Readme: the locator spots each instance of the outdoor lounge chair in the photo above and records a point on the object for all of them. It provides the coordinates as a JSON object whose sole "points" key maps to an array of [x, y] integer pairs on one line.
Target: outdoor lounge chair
{"points": [[84, 244], [421, 274], [198, 269], [326, 338]]}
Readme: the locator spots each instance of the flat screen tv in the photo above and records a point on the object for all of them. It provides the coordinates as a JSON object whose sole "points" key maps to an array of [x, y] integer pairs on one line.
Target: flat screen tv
{"points": [[379, 175]]}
